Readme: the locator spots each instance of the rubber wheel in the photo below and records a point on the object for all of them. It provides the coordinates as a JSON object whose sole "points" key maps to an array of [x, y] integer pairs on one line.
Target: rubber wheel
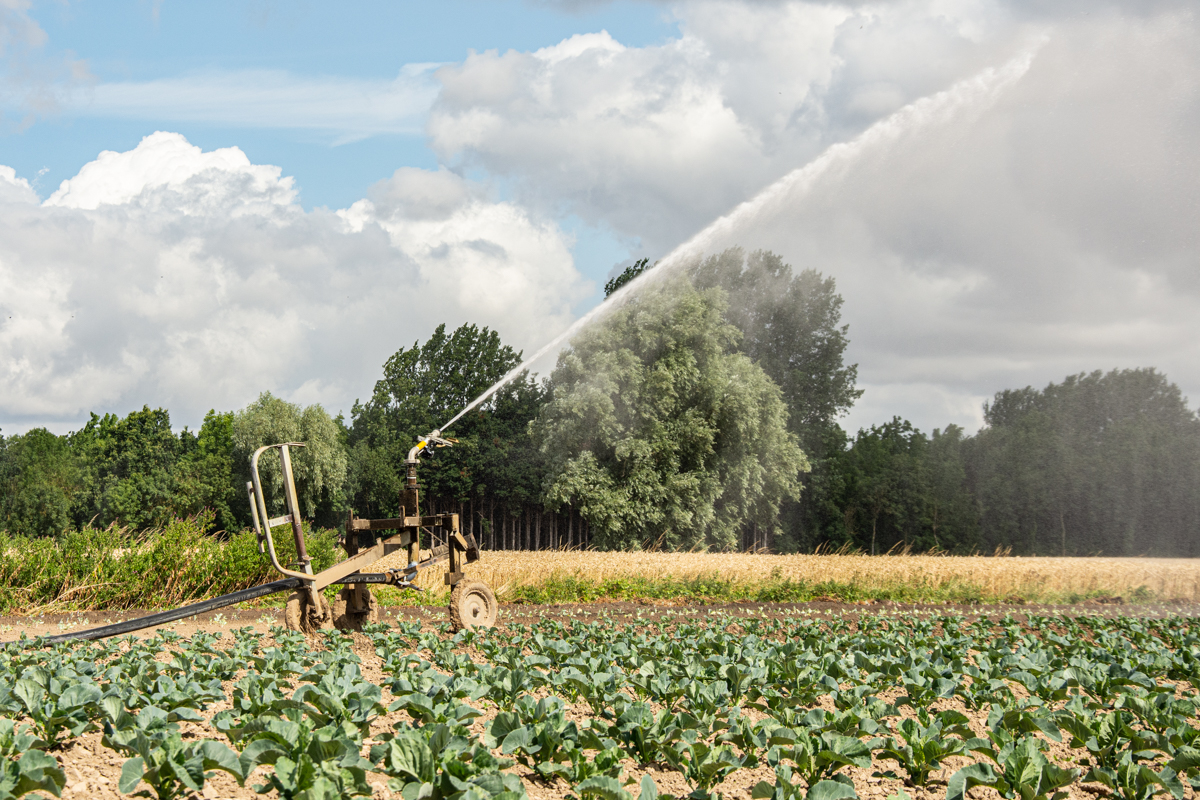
{"points": [[472, 605], [346, 620], [298, 614]]}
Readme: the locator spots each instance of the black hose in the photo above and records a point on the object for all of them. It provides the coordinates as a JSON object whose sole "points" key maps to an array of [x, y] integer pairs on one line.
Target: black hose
{"points": [[163, 617]]}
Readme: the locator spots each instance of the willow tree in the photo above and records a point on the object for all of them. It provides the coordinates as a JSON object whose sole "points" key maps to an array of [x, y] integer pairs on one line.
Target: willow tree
{"points": [[659, 433], [319, 467]]}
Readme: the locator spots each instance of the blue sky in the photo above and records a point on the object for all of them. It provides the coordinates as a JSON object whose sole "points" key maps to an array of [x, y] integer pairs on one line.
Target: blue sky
{"points": [[200, 202], [142, 42], [146, 41]]}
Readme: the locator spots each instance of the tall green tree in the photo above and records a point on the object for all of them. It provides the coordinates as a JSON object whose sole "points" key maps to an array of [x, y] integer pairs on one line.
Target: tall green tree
{"points": [[628, 274], [950, 509], [660, 433], [127, 469], [424, 386], [207, 475], [791, 327], [1100, 463], [319, 468], [39, 476], [888, 487]]}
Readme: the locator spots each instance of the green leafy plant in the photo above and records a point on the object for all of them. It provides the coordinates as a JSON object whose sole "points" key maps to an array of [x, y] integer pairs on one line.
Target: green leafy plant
{"points": [[57, 704], [785, 788], [24, 767], [309, 761], [927, 742], [1024, 773], [1133, 781], [433, 762], [609, 788], [341, 695], [818, 758], [160, 757]]}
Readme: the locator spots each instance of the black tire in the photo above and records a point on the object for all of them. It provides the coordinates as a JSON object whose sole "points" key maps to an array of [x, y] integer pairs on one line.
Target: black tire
{"points": [[472, 605], [346, 620], [298, 614]]}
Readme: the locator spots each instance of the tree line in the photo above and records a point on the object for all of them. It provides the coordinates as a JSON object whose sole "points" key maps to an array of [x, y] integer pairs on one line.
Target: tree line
{"points": [[699, 414]]}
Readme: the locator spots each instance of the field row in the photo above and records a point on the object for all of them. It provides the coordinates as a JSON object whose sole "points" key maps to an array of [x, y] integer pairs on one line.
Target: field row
{"points": [[584, 576], [787, 709]]}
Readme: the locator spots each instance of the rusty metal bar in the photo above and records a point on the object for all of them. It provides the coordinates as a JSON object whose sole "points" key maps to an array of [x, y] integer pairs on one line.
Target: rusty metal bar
{"points": [[361, 559], [261, 502], [293, 507]]}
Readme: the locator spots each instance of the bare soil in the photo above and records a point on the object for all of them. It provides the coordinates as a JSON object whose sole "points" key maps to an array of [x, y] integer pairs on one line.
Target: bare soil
{"points": [[262, 619]]}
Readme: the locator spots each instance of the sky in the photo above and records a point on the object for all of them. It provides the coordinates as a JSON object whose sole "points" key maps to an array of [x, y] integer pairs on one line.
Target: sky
{"points": [[201, 202]]}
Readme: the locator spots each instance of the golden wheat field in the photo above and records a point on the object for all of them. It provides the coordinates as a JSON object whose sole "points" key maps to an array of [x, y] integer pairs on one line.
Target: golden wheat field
{"points": [[1000, 576]]}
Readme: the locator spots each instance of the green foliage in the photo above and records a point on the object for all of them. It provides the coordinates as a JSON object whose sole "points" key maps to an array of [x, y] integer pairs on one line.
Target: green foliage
{"points": [[718, 589], [319, 468], [1099, 463], [1024, 773], [115, 568], [785, 789], [423, 387], [791, 327], [160, 758], [131, 472], [927, 742], [436, 762], [54, 705], [1102, 463], [127, 469], [671, 690], [629, 273], [206, 474], [658, 434], [885, 479], [24, 766], [311, 761], [39, 475]]}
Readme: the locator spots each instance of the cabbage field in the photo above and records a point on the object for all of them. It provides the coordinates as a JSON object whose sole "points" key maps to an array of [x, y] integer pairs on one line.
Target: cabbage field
{"points": [[784, 706]]}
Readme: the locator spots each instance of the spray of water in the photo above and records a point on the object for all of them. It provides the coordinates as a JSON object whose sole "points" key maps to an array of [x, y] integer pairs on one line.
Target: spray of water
{"points": [[980, 89]]}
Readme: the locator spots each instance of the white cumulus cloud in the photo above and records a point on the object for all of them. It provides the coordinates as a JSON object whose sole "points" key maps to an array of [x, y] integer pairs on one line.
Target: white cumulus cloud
{"points": [[1028, 212], [170, 276], [193, 179]]}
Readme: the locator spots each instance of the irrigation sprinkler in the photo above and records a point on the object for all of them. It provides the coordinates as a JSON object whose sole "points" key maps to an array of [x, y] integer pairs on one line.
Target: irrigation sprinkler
{"points": [[472, 602]]}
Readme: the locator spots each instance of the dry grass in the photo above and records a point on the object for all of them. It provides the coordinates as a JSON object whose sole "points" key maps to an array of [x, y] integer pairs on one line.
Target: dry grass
{"points": [[1031, 578]]}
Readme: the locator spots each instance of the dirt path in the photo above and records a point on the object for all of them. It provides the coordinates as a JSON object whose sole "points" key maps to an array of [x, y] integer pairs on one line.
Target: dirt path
{"points": [[262, 619]]}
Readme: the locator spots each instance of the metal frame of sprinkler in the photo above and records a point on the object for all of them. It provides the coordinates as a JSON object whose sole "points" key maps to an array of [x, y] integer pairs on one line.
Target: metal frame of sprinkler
{"points": [[472, 602]]}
